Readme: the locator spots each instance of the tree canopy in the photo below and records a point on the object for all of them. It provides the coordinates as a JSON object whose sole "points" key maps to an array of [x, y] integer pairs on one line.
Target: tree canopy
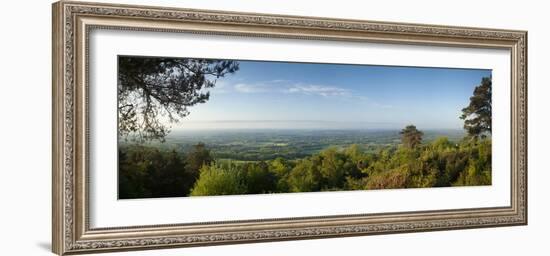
{"points": [[150, 172], [154, 91], [477, 115], [215, 180], [411, 137]]}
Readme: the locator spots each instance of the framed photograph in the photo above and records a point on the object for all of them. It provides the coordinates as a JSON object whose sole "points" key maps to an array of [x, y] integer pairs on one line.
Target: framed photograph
{"points": [[179, 127]]}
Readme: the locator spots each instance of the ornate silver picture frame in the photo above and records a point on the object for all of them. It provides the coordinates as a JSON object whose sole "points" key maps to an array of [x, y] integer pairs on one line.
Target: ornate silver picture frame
{"points": [[74, 21]]}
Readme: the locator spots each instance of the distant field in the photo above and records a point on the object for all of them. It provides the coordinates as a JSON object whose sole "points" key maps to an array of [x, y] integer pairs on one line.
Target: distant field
{"points": [[256, 145]]}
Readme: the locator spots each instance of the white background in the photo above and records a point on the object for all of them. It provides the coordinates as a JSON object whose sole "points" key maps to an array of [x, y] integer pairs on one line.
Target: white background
{"points": [[26, 114], [107, 211]]}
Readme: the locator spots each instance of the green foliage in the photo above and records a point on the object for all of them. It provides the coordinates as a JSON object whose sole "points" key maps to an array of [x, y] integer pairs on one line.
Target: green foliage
{"points": [[438, 164], [267, 145], [411, 137], [477, 172], [305, 176], [259, 179], [150, 172], [332, 168], [477, 115], [214, 180], [198, 157], [395, 178], [441, 144], [150, 89], [281, 169]]}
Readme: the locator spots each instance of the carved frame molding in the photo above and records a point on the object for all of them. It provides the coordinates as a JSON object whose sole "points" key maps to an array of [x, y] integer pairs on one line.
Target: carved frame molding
{"points": [[72, 22]]}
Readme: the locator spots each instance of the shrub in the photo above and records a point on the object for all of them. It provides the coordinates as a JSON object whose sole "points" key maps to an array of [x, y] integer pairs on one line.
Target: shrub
{"points": [[215, 180]]}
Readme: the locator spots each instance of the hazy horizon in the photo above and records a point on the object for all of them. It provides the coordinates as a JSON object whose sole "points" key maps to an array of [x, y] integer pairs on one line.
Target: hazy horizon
{"points": [[295, 125]]}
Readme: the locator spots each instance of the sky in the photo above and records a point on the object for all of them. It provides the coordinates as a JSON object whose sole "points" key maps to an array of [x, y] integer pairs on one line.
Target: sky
{"points": [[284, 95]]}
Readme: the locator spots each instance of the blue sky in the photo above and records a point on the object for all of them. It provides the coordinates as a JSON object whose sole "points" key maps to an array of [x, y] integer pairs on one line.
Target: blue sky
{"points": [[331, 96]]}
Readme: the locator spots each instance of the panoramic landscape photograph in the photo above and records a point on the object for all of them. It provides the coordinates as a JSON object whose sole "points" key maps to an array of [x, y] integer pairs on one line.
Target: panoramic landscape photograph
{"points": [[210, 127]]}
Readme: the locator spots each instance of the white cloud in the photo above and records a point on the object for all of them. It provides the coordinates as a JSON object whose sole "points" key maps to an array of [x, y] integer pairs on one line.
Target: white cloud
{"points": [[252, 88], [280, 81], [286, 86], [261, 87], [321, 90]]}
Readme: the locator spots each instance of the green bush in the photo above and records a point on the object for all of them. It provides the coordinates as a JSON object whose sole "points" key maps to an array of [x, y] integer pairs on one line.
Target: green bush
{"points": [[214, 180], [151, 172]]}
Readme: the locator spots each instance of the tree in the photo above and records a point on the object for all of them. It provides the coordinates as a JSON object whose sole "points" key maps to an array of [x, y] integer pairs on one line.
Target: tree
{"points": [[396, 178], [332, 168], [478, 169], [197, 157], [411, 137], [354, 161], [166, 175], [154, 90], [477, 115], [148, 172], [131, 178], [215, 180], [441, 143], [305, 176], [258, 178], [281, 169]]}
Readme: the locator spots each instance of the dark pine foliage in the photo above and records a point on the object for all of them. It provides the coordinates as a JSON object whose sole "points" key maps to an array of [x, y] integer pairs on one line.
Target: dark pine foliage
{"points": [[478, 114], [150, 89], [411, 137]]}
